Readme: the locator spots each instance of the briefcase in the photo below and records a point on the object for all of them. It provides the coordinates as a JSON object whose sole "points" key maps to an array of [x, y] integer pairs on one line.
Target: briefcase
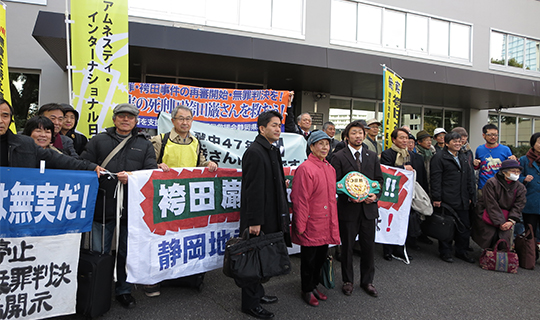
{"points": [[249, 259]]}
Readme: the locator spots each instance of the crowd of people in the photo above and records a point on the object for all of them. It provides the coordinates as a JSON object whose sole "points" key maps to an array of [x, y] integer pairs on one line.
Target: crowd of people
{"points": [[489, 190]]}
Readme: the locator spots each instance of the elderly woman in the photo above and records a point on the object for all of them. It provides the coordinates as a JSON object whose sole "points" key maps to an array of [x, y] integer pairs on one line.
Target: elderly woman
{"points": [[315, 221], [499, 208], [41, 129], [530, 177]]}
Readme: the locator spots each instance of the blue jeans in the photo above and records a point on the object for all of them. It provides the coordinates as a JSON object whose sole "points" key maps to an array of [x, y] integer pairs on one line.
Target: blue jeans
{"points": [[122, 287]]}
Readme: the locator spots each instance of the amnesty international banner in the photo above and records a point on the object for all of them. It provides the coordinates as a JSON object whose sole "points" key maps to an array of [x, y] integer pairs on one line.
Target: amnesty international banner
{"points": [[99, 51], [226, 146], [229, 108], [392, 84], [180, 221], [41, 220], [394, 205]]}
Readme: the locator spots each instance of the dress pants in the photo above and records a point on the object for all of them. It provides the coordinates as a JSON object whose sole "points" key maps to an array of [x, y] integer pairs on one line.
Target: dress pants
{"points": [[251, 295], [311, 261], [461, 238], [348, 230]]}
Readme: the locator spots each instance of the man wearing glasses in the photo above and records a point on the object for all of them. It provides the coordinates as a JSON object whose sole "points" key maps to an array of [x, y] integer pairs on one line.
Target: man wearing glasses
{"points": [[490, 156]]}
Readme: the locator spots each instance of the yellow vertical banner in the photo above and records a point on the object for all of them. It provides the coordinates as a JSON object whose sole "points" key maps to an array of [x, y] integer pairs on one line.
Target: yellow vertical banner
{"points": [[99, 54], [5, 92], [392, 84]]}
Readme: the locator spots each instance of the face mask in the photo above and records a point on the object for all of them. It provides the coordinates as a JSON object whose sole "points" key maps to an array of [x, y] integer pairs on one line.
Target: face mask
{"points": [[513, 177]]}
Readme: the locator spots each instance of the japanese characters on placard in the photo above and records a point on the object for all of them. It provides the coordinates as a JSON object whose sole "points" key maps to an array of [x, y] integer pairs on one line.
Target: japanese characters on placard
{"points": [[36, 204], [392, 104], [99, 50], [228, 108]]}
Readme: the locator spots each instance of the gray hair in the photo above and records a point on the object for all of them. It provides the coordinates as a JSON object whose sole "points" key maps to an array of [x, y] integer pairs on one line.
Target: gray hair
{"points": [[300, 116], [178, 107], [326, 124]]}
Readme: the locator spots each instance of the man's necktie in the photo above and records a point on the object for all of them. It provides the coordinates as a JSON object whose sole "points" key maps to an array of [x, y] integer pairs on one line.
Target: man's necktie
{"points": [[358, 162]]}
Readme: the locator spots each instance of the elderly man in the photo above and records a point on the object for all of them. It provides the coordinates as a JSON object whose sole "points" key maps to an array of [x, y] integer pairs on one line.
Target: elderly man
{"points": [[264, 204], [21, 151], [357, 217], [304, 124], [134, 153], [177, 149], [371, 139], [438, 135], [56, 114], [330, 129]]}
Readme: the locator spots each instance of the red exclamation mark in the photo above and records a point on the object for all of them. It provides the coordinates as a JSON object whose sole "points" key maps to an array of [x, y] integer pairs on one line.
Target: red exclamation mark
{"points": [[390, 217]]}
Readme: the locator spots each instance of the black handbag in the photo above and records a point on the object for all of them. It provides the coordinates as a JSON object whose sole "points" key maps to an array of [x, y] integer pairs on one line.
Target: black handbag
{"points": [[249, 259], [441, 225]]}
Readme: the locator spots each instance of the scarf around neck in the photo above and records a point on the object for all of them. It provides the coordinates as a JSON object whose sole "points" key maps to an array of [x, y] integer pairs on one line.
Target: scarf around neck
{"points": [[402, 156], [532, 157]]}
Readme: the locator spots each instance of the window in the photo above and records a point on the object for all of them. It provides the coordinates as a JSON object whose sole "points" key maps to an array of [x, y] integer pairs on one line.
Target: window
{"points": [[524, 131], [373, 26], [24, 98], [452, 119], [514, 52], [411, 116], [275, 17], [507, 130]]}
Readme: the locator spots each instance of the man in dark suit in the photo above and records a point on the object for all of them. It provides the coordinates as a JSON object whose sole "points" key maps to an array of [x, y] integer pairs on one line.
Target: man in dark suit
{"points": [[357, 217], [264, 204]]}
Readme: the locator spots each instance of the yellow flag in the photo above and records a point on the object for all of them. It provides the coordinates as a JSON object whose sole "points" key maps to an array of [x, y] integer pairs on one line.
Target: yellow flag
{"points": [[99, 52], [392, 103], [5, 92]]}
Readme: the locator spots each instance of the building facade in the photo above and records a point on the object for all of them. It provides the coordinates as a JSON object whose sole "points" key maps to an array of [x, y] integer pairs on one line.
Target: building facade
{"points": [[464, 63]]}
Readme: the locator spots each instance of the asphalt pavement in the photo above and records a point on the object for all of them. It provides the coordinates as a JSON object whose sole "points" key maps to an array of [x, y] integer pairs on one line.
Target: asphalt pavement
{"points": [[428, 288]]}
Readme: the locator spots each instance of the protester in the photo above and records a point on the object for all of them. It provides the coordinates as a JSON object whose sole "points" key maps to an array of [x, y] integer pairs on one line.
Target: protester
{"points": [[411, 143], [503, 199], [315, 221], [178, 149], [357, 217], [40, 129], [490, 156], [451, 183], [425, 149], [69, 125], [530, 177], [304, 124], [21, 151], [264, 205], [438, 135], [330, 129], [400, 157], [55, 113], [136, 153], [371, 138]]}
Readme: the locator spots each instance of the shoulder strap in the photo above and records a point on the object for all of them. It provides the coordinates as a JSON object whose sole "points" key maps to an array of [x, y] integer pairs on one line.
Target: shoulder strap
{"points": [[115, 151], [164, 139]]}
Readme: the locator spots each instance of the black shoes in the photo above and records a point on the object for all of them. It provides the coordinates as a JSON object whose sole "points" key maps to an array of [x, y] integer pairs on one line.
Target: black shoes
{"points": [[447, 258], [465, 257], [269, 299], [259, 312], [126, 300], [387, 257]]}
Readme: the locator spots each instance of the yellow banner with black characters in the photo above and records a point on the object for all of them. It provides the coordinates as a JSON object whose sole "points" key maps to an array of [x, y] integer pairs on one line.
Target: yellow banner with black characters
{"points": [[99, 51], [392, 85]]}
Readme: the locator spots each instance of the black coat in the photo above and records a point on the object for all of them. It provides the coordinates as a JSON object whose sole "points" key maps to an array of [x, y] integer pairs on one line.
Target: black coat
{"points": [[264, 195], [24, 152], [388, 158], [451, 183], [344, 162], [137, 154]]}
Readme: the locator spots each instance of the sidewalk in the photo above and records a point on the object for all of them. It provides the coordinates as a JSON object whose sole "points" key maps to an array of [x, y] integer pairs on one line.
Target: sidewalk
{"points": [[428, 288]]}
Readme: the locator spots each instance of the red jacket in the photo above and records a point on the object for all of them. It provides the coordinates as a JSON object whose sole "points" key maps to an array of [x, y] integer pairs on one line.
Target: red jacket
{"points": [[315, 219]]}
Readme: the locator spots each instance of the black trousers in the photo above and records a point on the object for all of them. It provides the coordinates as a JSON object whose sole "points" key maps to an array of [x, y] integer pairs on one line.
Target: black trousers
{"points": [[311, 261], [251, 295], [461, 238], [365, 229]]}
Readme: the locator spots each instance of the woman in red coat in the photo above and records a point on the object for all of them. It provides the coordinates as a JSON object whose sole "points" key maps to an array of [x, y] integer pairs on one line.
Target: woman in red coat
{"points": [[315, 221]]}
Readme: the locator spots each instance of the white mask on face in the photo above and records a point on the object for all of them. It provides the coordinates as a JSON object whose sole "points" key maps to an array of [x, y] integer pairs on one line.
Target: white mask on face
{"points": [[513, 177]]}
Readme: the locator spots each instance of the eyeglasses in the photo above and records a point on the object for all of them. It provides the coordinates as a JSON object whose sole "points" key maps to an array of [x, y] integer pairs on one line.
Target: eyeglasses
{"points": [[492, 134], [126, 115], [188, 119]]}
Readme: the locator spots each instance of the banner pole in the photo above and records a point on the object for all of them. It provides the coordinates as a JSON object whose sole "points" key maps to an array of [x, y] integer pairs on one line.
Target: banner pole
{"points": [[384, 108], [68, 49]]}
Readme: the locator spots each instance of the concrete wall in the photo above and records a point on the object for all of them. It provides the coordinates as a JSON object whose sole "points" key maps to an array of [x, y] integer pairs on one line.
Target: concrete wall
{"points": [[25, 54]]}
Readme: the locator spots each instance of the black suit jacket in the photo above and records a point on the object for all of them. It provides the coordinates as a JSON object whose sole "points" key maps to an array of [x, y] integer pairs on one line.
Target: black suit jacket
{"points": [[344, 162]]}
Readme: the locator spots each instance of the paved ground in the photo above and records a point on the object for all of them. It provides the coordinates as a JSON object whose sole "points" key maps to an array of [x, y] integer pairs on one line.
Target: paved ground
{"points": [[428, 288]]}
